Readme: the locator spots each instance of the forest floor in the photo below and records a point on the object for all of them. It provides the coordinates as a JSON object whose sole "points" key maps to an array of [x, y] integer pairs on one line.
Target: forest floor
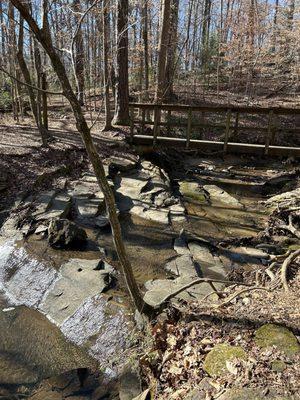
{"points": [[172, 364]]}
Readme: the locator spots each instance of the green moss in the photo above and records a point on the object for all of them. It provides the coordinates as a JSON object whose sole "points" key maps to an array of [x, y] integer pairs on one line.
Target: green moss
{"points": [[294, 247], [191, 190], [278, 366], [274, 335], [215, 361]]}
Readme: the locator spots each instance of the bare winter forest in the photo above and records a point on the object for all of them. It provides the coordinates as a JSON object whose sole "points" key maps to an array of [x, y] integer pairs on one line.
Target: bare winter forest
{"points": [[149, 199]]}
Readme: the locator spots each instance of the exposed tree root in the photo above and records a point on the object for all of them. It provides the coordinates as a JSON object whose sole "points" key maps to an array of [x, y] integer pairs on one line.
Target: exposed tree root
{"points": [[284, 269], [290, 227]]}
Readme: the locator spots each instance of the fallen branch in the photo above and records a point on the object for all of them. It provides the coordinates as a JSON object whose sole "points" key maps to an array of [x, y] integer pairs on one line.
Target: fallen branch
{"points": [[287, 262], [196, 282]]}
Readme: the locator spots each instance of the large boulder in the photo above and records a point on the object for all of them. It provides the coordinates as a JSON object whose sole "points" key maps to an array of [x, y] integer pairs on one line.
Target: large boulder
{"points": [[274, 335], [215, 363], [63, 233]]}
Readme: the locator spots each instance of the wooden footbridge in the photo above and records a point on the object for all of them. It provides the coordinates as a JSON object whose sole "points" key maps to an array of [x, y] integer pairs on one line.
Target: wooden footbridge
{"points": [[159, 124]]}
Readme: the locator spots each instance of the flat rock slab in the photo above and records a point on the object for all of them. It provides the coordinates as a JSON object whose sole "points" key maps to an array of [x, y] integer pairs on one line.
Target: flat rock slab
{"points": [[220, 196], [160, 216], [23, 279], [78, 280], [193, 191], [181, 247], [104, 325], [128, 191], [182, 266], [122, 164], [59, 207], [210, 264], [158, 289]]}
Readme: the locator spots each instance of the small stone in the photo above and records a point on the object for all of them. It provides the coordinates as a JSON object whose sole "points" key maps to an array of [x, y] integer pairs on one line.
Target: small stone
{"points": [[274, 335], [215, 361]]}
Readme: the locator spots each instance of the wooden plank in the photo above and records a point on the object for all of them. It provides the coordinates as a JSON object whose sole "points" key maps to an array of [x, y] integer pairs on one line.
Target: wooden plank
{"points": [[189, 128], [198, 125], [227, 131], [240, 148], [221, 109]]}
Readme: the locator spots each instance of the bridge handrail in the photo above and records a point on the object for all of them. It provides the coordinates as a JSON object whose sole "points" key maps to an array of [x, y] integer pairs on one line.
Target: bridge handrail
{"points": [[221, 108]]}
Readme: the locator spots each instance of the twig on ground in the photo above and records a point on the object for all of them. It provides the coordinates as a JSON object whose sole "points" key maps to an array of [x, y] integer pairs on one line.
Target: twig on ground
{"points": [[229, 300]]}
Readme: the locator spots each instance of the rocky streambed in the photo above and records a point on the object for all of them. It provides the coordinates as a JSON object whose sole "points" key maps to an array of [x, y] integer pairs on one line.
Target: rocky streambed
{"points": [[58, 267]]}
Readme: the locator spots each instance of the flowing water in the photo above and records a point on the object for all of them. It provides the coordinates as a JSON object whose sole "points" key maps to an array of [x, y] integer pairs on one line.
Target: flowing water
{"points": [[33, 346]]}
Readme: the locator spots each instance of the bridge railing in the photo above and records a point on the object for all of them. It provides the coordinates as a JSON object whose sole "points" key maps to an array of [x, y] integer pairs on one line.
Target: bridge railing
{"points": [[151, 115]]}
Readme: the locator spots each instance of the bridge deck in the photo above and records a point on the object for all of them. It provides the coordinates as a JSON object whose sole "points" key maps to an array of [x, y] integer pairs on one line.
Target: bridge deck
{"points": [[207, 145]]}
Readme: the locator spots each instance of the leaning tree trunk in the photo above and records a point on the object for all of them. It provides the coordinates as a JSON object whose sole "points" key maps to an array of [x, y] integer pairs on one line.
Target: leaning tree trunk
{"points": [[121, 116], [42, 35]]}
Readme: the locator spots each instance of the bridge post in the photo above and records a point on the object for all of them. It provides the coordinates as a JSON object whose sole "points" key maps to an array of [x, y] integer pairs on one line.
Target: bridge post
{"points": [[269, 132], [189, 128], [236, 125], [143, 120], [226, 138], [168, 122], [131, 124], [156, 124]]}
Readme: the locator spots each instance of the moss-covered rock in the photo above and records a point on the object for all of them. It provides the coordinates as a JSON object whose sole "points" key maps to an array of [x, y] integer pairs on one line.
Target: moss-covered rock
{"points": [[191, 190], [215, 361], [278, 365], [274, 335]]}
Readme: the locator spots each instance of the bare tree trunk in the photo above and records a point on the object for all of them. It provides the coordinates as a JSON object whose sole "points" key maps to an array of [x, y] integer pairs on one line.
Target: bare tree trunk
{"points": [[146, 46], [171, 51], [162, 51], [121, 116], [79, 55], [27, 79], [105, 23], [45, 39]]}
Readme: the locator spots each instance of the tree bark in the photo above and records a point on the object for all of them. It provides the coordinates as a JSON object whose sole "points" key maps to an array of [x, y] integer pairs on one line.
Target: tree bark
{"points": [[105, 24], [121, 116], [79, 55], [27, 79], [162, 51], [81, 124]]}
